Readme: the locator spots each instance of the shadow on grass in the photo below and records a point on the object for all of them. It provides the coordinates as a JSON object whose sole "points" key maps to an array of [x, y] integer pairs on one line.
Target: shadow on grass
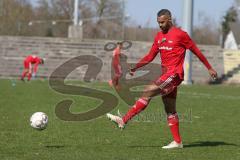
{"points": [[209, 144], [194, 144]]}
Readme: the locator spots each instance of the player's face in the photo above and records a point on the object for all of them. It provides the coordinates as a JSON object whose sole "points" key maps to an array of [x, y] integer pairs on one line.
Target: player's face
{"points": [[119, 46], [164, 22]]}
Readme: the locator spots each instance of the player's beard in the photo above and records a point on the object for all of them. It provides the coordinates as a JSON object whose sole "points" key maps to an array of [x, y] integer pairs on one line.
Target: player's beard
{"points": [[165, 28]]}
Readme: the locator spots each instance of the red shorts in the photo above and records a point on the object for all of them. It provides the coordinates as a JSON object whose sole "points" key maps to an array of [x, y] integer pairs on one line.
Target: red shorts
{"points": [[168, 85]]}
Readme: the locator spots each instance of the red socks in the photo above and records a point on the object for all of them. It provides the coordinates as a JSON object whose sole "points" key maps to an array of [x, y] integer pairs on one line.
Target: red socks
{"points": [[173, 123], [24, 74], [29, 76], [172, 119], [140, 105]]}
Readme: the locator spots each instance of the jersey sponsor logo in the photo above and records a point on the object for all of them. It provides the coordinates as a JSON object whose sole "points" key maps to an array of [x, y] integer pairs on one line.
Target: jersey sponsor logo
{"points": [[166, 48], [164, 40]]}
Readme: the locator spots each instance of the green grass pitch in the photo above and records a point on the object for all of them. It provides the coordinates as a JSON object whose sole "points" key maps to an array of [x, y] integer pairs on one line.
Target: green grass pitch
{"points": [[209, 126]]}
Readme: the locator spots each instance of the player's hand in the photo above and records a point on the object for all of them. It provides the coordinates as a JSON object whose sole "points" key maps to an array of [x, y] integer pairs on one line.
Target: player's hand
{"points": [[213, 73], [34, 75]]}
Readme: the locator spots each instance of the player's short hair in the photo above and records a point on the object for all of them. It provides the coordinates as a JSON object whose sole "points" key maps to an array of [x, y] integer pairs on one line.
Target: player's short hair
{"points": [[120, 43], [164, 12]]}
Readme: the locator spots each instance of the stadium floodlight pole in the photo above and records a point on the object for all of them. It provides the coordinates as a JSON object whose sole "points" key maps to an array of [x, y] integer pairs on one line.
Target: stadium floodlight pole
{"points": [[123, 19], [187, 26], [75, 20], [1, 7]]}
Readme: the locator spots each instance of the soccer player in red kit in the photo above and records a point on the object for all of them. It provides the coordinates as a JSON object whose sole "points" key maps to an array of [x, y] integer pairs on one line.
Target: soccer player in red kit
{"points": [[116, 66], [31, 63], [171, 43]]}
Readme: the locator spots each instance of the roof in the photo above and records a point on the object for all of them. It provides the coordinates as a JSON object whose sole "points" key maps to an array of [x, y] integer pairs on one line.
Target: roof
{"points": [[236, 31]]}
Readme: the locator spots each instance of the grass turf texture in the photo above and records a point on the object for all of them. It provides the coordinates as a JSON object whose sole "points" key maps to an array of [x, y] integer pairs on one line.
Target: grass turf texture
{"points": [[209, 126]]}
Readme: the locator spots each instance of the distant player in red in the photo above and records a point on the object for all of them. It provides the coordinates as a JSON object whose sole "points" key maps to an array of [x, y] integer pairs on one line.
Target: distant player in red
{"points": [[116, 66], [31, 63], [171, 43]]}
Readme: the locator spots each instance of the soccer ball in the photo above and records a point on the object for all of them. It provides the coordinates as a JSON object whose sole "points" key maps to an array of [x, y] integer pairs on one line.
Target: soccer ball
{"points": [[39, 120]]}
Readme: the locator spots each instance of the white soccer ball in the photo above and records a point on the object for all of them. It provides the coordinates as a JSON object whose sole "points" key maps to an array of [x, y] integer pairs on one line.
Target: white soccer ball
{"points": [[39, 120]]}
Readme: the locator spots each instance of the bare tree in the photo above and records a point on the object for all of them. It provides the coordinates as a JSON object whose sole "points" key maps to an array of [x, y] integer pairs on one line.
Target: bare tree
{"points": [[14, 17], [52, 17], [237, 7], [106, 20], [101, 18], [231, 16], [207, 31]]}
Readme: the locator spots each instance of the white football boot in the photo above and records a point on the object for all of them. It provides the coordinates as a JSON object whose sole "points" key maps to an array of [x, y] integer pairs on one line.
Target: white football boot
{"points": [[173, 145], [116, 119]]}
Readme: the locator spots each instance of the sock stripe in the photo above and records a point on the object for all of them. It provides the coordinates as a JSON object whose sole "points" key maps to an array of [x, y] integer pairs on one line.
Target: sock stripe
{"points": [[172, 115], [143, 101]]}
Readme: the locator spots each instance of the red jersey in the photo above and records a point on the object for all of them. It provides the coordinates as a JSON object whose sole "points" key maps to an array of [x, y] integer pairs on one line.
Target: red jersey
{"points": [[31, 59], [172, 48], [116, 62]]}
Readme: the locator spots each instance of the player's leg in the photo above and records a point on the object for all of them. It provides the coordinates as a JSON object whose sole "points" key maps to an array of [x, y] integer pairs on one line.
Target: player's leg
{"points": [[25, 70], [169, 102], [29, 75], [24, 73], [110, 82], [118, 75], [149, 92], [163, 86], [115, 82]]}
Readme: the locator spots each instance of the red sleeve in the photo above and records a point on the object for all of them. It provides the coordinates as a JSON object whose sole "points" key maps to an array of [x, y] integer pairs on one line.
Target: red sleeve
{"points": [[189, 44], [148, 57], [38, 60], [35, 67]]}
